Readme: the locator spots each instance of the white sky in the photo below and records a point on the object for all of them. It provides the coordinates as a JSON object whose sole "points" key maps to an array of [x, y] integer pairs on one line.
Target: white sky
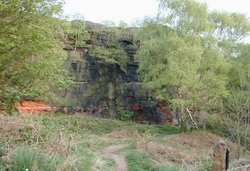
{"points": [[132, 10], [112, 10]]}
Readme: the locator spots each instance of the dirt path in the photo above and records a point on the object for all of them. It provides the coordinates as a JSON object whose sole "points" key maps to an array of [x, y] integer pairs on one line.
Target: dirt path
{"points": [[113, 152]]}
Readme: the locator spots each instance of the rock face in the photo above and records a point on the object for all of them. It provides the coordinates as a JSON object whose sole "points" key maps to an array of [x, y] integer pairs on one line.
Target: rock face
{"points": [[27, 107], [103, 87], [220, 157]]}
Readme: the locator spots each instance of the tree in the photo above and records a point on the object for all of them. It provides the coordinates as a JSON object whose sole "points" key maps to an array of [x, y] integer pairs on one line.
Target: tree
{"points": [[185, 16], [237, 118], [229, 30], [78, 32], [175, 61], [240, 70], [237, 105], [108, 45], [31, 60]]}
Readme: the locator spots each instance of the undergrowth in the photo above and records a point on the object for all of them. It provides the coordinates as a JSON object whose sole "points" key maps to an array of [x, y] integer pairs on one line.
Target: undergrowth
{"points": [[63, 142], [74, 142]]}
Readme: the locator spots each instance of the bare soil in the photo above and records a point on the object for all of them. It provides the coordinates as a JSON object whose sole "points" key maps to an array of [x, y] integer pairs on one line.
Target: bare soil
{"points": [[113, 152], [117, 135]]}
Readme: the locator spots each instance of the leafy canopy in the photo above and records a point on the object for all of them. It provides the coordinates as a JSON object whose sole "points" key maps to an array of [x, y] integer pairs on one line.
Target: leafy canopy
{"points": [[175, 60], [31, 59]]}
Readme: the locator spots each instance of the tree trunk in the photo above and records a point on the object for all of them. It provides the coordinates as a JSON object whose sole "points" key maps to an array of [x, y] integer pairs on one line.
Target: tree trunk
{"points": [[184, 124]]}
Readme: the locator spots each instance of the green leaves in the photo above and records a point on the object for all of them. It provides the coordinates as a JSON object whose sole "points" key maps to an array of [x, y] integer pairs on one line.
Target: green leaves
{"points": [[230, 26], [31, 59], [107, 44], [240, 70], [78, 32], [186, 16], [182, 63]]}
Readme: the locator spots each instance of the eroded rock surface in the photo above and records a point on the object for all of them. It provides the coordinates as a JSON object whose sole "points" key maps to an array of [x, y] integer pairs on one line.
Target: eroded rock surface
{"points": [[103, 87]]}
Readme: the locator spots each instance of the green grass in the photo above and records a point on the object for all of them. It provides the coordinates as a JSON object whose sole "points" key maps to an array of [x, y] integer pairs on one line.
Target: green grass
{"points": [[32, 159], [93, 125], [73, 142], [138, 161], [65, 142]]}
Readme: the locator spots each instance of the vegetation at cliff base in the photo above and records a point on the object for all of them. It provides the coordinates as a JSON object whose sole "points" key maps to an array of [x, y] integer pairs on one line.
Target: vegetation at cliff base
{"points": [[64, 142]]}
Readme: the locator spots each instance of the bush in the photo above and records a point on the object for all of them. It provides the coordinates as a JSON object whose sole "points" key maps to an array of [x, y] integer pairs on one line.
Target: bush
{"points": [[123, 114], [216, 124]]}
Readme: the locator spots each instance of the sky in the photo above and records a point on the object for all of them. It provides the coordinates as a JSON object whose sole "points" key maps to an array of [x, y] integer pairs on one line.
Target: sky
{"points": [[112, 10], [131, 11]]}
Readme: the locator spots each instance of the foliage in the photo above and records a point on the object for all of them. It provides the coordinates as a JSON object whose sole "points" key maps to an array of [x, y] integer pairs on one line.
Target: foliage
{"points": [[237, 118], [123, 114], [111, 55], [186, 54], [31, 59], [106, 42], [78, 32], [229, 29], [240, 73], [185, 16], [173, 66], [237, 106], [216, 123]]}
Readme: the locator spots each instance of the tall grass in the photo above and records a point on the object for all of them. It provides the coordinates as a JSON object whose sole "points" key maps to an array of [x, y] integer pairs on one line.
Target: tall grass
{"points": [[62, 142], [29, 158]]}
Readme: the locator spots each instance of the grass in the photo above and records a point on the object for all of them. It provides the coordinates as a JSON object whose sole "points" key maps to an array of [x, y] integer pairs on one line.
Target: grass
{"points": [[96, 125], [32, 159], [138, 161], [67, 142]]}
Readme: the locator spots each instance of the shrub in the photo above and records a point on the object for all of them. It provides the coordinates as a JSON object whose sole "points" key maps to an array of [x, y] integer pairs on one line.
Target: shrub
{"points": [[123, 114], [216, 124]]}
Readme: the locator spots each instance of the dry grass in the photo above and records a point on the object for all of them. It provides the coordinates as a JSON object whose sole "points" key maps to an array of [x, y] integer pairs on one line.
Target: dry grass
{"points": [[189, 149], [9, 127], [201, 141], [192, 150], [118, 135]]}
